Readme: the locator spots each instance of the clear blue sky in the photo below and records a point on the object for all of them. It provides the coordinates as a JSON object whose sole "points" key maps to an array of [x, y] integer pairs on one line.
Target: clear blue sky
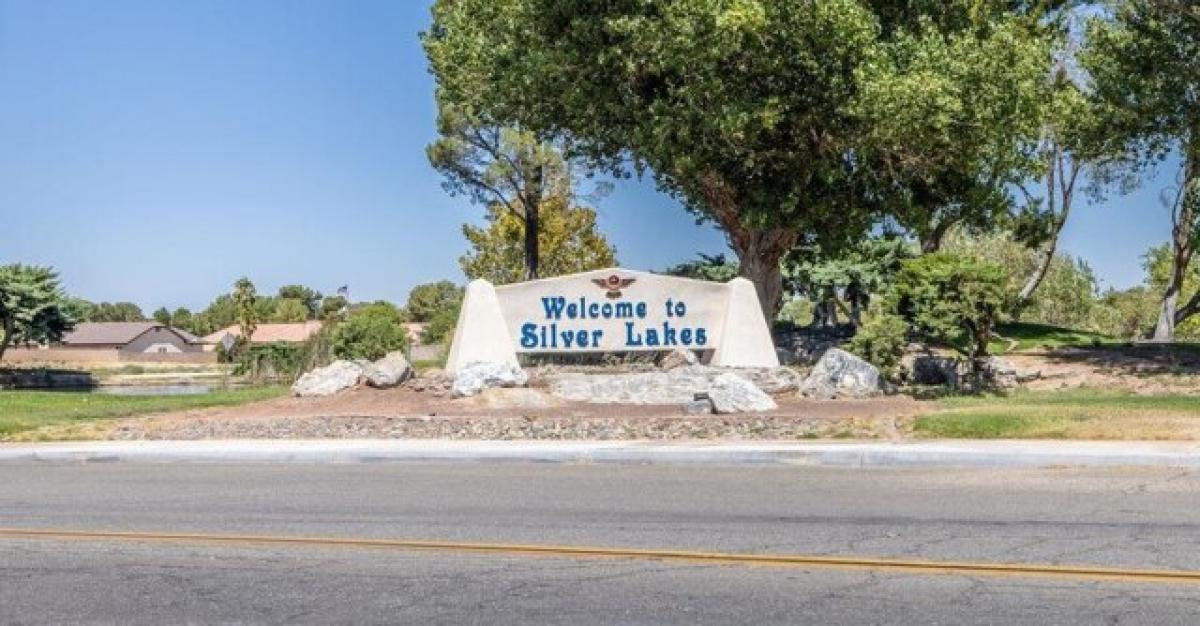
{"points": [[156, 151]]}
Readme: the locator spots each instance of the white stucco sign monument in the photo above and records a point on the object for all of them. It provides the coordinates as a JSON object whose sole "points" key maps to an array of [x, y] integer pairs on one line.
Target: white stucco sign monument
{"points": [[612, 310]]}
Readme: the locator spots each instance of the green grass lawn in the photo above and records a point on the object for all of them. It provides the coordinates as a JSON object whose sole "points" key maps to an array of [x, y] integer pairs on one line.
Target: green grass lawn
{"points": [[26, 410], [1063, 414], [1023, 336]]}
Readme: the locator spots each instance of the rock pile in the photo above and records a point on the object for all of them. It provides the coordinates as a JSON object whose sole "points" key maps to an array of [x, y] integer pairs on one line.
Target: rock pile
{"points": [[728, 391], [389, 371]]}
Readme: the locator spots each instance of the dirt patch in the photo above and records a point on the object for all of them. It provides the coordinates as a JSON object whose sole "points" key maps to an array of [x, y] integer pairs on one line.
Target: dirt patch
{"points": [[511, 414], [1145, 369]]}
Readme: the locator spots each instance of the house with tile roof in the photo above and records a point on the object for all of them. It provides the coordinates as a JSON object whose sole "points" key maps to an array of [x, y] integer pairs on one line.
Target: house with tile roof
{"points": [[297, 332]]}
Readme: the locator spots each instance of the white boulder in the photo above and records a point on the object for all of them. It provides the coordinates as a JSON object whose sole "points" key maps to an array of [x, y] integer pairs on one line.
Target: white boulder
{"points": [[839, 374], [477, 376], [731, 393], [389, 371], [675, 386], [328, 380]]}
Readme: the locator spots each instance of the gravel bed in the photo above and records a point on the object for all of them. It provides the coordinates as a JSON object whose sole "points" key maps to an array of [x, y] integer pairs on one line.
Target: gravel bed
{"points": [[744, 427]]}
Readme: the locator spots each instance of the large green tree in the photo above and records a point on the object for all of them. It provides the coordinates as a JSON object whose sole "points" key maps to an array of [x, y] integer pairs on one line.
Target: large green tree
{"points": [[501, 167], [750, 112], [1144, 61], [31, 306], [182, 318], [307, 296], [289, 310], [162, 315], [427, 299], [568, 242]]}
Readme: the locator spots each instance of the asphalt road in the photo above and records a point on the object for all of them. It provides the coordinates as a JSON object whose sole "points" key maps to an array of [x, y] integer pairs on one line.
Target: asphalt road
{"points": [[1120, 519]]}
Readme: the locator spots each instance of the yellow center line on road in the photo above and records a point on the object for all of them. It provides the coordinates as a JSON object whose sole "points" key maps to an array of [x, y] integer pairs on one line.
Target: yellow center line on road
{"points": [[717, 558]]}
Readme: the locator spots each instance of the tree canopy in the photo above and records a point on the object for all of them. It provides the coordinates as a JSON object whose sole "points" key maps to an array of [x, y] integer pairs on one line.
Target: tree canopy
{"points": [[110, 312], [714, 267], [31, 306], [777, 119], [505, 168], [426, 300], [568, 242]]}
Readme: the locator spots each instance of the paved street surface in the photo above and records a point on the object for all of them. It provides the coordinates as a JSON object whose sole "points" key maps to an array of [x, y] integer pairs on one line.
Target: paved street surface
{"points": [[1115, 518]]}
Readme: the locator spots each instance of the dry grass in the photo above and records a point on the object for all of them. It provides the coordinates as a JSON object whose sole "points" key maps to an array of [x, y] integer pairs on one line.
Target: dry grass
{"points": [[1064, 414]]}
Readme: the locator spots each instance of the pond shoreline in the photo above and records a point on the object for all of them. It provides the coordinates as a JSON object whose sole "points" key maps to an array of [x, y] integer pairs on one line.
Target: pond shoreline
{"points": [[77, 380]]}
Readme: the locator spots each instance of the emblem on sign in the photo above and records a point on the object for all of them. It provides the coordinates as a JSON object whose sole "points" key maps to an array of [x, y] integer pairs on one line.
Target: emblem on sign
{"points": [[613, 284]]}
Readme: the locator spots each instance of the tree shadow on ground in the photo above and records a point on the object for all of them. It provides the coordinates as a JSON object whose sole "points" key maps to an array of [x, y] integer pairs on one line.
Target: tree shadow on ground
{"points": [[1138, 359]]}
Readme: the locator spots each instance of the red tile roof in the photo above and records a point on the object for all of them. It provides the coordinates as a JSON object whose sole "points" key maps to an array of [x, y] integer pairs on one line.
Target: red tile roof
{"points": [[269, 333]]}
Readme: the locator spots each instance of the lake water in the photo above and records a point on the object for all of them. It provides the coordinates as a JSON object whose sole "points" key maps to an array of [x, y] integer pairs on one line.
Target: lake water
{"points": [[152, 390]]}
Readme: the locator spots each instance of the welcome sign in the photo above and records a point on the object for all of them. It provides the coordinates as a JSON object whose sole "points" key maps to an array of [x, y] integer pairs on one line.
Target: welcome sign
{"points": [[612, 310]]}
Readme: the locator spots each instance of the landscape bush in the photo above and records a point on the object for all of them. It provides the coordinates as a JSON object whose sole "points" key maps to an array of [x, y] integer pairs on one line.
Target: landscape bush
{"points": [[273, 361], [880, 341], [370, 333], [797, 312], [317, 350], [950, 299], [440, 328]]}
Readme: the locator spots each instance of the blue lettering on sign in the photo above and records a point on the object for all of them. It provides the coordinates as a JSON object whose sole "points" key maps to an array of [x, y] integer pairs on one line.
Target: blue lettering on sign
{"points": [[529, 339], [550, 336]]}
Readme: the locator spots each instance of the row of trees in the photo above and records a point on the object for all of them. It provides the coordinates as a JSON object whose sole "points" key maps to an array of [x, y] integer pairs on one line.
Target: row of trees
{"points": [[34, 309], [805, 128]]}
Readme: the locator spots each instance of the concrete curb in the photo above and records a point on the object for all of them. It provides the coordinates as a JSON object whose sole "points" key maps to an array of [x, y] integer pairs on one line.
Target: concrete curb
{"points": [[856, 454]]}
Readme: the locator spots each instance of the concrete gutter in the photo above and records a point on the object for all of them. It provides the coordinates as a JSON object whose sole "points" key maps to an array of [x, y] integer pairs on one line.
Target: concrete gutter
{"points": [[849, 454]]}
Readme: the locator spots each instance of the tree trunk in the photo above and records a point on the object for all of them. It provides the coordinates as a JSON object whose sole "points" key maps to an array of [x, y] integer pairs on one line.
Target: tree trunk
{"points": [[1182, 246], [1046, 253], [1045, 258], [1191, 308], [534, 180], [1164, 330], [932, 241], [759, 255], [532, 227], [857, 298], [4, 341], [760, 250]]}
